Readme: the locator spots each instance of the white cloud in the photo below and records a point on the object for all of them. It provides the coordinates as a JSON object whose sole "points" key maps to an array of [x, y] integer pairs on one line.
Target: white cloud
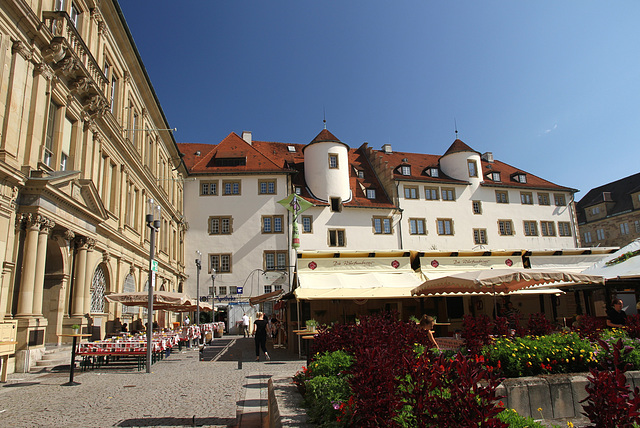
{"points": [[555, 126]]}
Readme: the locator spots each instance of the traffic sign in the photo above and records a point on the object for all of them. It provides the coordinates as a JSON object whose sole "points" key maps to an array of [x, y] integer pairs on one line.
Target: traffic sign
{"points": [[154, 265]]}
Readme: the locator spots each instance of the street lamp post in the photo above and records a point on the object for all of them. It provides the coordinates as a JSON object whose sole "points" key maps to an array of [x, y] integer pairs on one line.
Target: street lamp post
{"points": [[153, 223], [198, 267], [213, 294]]}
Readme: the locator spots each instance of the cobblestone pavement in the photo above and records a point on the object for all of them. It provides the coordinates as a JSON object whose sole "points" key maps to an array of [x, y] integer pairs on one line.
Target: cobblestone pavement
{"points": [[228, 391], [180, 391]]}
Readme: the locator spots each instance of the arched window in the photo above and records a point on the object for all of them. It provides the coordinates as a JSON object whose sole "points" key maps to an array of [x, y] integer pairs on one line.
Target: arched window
{"points": [[129, 287], [98, 287]]}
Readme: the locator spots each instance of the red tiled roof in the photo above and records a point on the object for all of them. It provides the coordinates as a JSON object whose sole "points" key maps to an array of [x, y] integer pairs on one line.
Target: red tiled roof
{"points": [[233, 147], [458, 146]]}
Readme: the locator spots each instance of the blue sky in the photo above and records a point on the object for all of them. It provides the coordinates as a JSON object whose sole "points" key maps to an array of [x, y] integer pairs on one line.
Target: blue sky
{"points": [[551, 87]]}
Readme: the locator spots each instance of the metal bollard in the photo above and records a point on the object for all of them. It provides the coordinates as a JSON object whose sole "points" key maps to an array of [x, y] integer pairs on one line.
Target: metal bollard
{"points": [[239, 364]]}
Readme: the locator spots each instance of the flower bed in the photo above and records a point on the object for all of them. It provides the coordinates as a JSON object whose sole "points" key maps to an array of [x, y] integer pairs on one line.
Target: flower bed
{"points": [[381, 373]]}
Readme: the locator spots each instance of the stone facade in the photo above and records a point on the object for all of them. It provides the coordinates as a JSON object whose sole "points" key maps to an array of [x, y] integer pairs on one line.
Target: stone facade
{"points": [[83, 145]]}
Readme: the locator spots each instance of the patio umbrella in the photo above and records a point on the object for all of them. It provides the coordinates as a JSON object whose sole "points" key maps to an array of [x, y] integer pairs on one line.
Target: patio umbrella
{"points": [[190, 306], [499, 281], [162, 300]]}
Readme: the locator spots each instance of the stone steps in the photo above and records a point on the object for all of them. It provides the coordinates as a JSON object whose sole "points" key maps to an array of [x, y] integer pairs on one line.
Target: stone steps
{"points": [[54, 356]]}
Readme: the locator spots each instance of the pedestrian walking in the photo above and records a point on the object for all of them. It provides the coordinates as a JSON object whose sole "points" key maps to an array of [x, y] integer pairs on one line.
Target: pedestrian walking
{"points": [[245, 325], [260, 335]]}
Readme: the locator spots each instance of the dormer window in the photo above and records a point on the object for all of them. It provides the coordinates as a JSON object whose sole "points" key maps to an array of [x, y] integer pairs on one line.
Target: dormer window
{"points": [[298, 190], [433, 172], [231, 161], [360, 174], [520, 178], [291, 149], [371, 193], [405, 170], [495, 176]]}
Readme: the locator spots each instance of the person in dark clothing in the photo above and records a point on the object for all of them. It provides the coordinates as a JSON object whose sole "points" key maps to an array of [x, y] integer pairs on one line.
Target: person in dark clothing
{"points": [[616, 316], [260, 335]]}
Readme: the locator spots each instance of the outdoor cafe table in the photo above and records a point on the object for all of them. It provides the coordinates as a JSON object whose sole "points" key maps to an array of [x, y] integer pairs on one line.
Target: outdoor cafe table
{"points": [[73, 356], [129, 346]]}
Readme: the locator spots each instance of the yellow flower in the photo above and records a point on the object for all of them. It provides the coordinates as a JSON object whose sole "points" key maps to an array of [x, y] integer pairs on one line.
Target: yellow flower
{"points": [[570, 424], [539, 409]]}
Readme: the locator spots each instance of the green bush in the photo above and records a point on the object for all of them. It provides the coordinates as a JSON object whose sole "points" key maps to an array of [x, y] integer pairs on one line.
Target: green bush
{"points": [[331, 363], [323, 398], [327, 388], [528, 356]]}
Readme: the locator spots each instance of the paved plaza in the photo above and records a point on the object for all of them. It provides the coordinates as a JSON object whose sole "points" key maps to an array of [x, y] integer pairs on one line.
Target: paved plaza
{"points": [[228, 391]]}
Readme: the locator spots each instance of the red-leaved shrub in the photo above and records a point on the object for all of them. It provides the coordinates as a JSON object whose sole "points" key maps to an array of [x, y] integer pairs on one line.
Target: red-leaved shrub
{"points": [[539, 325], [588, 327]]}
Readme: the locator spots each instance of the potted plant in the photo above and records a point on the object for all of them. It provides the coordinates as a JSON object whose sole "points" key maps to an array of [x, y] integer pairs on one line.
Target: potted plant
{"points": [[75, 328], [311, 324]]}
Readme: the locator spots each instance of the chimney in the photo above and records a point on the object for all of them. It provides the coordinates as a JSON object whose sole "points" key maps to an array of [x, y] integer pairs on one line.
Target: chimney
{"points": [[387, 148], [246, 136], [488, 156]]}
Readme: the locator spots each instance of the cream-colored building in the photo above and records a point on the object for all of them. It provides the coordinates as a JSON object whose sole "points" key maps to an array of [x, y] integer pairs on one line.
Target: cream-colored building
{"points": [[84, 144]]}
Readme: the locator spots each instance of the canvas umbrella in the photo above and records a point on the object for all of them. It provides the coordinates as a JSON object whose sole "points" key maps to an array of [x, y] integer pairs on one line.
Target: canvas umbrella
{"points": [[499, 281], [190, 306], [162, 300]]}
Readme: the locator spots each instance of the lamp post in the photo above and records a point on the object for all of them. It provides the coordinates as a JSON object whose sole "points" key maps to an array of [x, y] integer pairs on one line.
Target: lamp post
{"points": [[213, 294], [153, 223], [198, 267]]}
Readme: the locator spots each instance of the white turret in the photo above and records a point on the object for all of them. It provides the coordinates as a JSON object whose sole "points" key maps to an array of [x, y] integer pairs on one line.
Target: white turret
{"points": [[326, 167]]}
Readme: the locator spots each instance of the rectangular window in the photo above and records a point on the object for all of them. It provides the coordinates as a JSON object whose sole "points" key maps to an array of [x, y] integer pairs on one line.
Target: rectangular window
{"points": [[220, 225], [543, 199], [505, 227], [333, 161], [476, 206], [502, 197], [298, 190], [220, 262], [433, 172], [49, 137], [560, 199], [547, 228], [337, 238], [307, 224], [208, 188], [448, 194], [587, 237], [65, 149], [495, 176], [417, 226], [231, 187], [637, 225], [530, 228], [272, 224], [360, 173], [275, 260], [405, 169], [382, 225], [268, 289], [624, 228], [526, 198], [233, 289], [600, 234], [410, 192], [266, 187], [595, 210], [564, 228], [479, 236], [431, 193], [371, 193], [445, 226], [222, 290], [473, 168]]}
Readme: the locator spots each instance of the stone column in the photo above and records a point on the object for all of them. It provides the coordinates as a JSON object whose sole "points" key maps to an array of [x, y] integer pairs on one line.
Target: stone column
{"points": [[41, 260], [77, 305], [88, 276], [27, 280]]}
